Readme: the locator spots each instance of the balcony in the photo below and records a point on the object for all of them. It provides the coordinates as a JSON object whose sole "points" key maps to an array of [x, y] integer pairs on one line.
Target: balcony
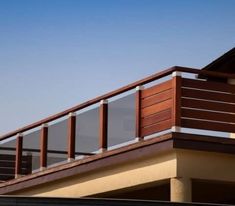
{"points": [[172, 101]]}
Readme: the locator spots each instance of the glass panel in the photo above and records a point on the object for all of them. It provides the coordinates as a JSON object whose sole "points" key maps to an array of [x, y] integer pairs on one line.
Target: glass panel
{"points": [[57, 143], [7, 159], [87, 131], [121, 120], [31, 150]]}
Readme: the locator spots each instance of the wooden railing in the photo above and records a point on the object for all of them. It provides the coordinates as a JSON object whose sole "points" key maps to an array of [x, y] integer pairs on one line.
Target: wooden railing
{"points": [[176, 102]]}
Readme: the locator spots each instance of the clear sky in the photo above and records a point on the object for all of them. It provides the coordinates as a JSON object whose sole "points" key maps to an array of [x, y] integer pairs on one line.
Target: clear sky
{"points": [[55, 54]]}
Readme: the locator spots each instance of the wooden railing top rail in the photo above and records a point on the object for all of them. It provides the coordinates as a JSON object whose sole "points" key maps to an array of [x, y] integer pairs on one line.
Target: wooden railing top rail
{"points": [[117, 92]]}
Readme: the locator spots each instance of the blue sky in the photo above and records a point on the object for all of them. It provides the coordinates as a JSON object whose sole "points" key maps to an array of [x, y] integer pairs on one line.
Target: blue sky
{"points": [[55, 54]]}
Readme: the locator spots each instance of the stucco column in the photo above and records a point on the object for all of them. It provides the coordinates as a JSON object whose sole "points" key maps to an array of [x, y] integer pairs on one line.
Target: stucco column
{"points": [[181, 189], [232, 82]]}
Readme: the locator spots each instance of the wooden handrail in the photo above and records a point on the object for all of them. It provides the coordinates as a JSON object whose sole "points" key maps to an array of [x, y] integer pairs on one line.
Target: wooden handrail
{"points": [[204, 72], [117, 92]]}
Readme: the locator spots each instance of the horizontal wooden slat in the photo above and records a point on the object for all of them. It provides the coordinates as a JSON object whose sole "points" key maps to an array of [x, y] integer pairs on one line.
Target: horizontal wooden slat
{"points": [[7, 157], [4, 163], [160, 97], [215, 106], [215, 86], [164, 125], [207, 115], [12, 164], [208, 125], [156, 108], [207, 95], [5, 170], [11, 157], [9, 170], [157, 89], [158, 117], [7, 177]]}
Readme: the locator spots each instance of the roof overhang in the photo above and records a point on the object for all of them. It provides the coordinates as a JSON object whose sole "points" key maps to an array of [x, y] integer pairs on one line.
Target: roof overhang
{"points": [[223, 64]]}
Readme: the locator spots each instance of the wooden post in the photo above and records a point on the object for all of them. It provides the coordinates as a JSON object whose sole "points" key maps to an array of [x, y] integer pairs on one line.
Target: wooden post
{"points": [[71, 136], [103, 127], [138, 112], [18, 161], [176, 109], [43, 146]]}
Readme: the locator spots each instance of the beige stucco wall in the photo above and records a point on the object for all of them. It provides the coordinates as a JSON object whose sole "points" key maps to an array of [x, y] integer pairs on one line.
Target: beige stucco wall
{"points": [[142, 171], [205, 165], [177, 163]]}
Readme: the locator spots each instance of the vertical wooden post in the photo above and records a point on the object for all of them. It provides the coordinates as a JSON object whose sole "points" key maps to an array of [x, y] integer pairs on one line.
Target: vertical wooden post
{"points": [[43, 146], [103, 127], [71, 136], [176, 109], [138, 112], [18, 160]]}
